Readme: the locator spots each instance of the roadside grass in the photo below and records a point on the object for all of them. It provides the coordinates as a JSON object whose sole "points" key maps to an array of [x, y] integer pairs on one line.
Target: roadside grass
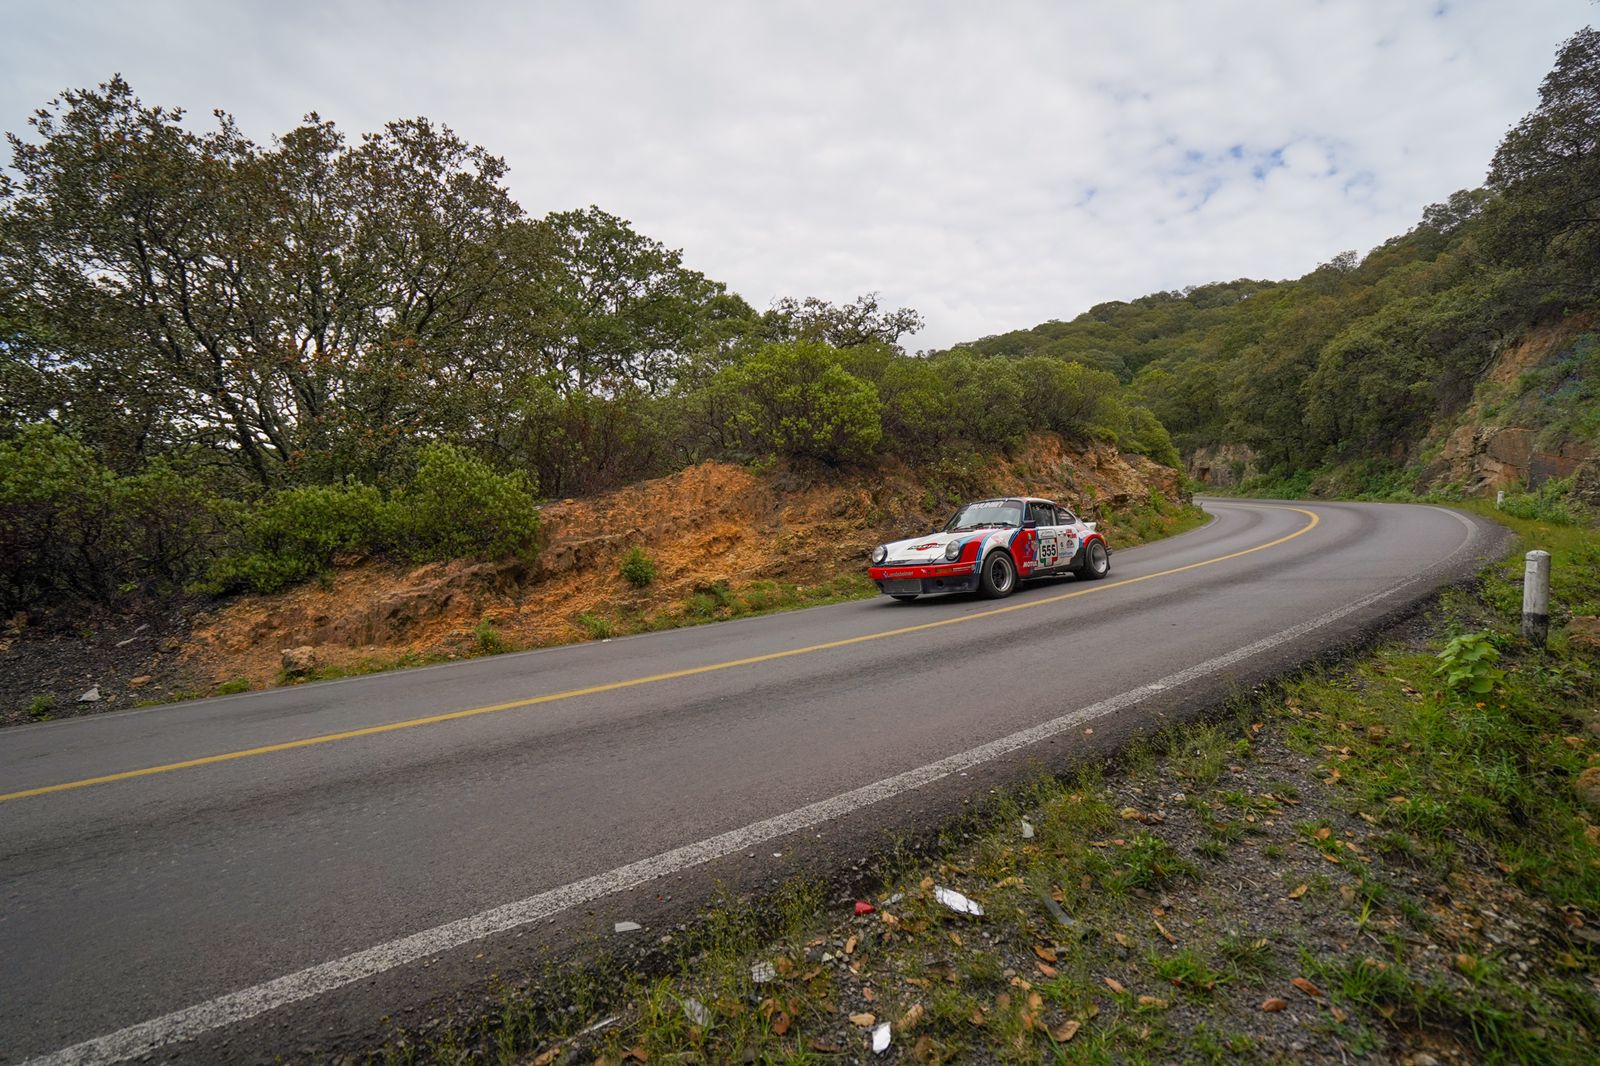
{"points": [[1363, 863]]}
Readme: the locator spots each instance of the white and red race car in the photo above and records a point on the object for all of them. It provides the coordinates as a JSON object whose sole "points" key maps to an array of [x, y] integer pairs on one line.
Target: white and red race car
{"points": [[988, 547]]}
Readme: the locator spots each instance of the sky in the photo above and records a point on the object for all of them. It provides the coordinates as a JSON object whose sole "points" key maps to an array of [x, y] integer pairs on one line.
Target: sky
{"points": [[992, 165]]}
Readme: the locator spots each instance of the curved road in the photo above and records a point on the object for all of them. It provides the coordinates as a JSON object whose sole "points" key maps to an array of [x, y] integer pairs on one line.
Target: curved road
{"points": [[366, 844]]}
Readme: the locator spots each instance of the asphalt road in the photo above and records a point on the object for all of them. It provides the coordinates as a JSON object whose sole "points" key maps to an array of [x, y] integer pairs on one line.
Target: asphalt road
{"points": [[237, 895]]}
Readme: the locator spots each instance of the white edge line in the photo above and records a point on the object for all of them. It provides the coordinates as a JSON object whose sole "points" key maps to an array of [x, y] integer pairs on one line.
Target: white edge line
{"points": [[240, 1006]]}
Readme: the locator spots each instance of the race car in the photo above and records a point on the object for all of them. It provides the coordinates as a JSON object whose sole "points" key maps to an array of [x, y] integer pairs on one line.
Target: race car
{"points": [[988, 547]]}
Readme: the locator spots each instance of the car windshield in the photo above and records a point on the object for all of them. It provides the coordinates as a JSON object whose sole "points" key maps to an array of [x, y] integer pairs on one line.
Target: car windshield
{"points": [[986, 513]]}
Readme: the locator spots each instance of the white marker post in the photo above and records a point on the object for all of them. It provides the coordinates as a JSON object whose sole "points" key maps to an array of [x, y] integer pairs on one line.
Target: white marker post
{"points": [[1536, 598], [1500, 499]]}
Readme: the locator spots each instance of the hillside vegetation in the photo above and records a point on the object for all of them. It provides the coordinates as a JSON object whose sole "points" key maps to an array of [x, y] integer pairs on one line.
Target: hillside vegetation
{"points": [[1368, 362], [226, 365]]}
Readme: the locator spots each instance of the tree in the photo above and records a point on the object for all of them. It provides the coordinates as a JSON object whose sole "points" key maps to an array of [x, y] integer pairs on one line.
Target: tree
{"points": [[307, 305], [1547, 172], [796, 398], [606, 305], [851, 325]]}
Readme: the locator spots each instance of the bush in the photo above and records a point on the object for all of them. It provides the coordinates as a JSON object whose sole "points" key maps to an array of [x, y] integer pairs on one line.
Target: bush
{"points": [[458, 507], [797, 399], [638, 569], [1143, 434], [294, 534], [71, 528]]}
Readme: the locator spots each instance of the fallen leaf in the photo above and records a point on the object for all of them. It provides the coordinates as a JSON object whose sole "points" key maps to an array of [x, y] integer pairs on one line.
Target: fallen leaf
{"points": [[1066, 1030], [780, 1023], [1273, 1005], [545, 1058], [977, 1016], [850, 946], [1306, 986], [1115, 985], [637, 1054], [1323, 834], [1046, 953], [955, 938], [1166, 935], [1467, 963], [866, 1021], [1120, 939], [1153, 1001], [1045, 969], [923, 1052], [811, 974], [1297, 891], [823, 1047], [911, 1018], [869, 995]]}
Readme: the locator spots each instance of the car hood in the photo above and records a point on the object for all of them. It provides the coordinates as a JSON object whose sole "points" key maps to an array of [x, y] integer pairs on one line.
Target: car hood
{"points": [[930, 548]]}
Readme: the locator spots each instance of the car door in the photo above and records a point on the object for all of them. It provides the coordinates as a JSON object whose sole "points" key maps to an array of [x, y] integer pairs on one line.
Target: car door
{"points": [[1051, 537]]}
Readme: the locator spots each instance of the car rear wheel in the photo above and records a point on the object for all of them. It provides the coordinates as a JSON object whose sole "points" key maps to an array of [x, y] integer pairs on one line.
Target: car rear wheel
{"points": [[1096, 561], [999, 576]]}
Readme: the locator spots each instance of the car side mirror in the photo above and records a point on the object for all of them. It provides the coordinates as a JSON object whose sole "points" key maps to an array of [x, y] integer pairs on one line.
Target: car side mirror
{"points": [[1030, 523]]}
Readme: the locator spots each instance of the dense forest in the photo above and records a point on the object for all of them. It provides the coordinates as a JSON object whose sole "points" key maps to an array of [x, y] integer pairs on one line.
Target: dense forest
{"points": [[225, 364], [1357, 360]]}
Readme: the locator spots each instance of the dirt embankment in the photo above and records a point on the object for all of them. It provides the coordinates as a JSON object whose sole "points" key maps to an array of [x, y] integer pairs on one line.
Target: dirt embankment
{"points": [[1499, 442], [711, 525]]}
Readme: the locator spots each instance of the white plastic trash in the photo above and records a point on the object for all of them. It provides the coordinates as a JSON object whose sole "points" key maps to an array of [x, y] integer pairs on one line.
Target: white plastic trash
{"points": [[880, 1038], [957, 902]]}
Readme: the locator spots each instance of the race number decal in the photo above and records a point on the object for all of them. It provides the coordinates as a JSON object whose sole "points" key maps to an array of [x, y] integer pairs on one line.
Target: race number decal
{"points": [[1049, 550]]}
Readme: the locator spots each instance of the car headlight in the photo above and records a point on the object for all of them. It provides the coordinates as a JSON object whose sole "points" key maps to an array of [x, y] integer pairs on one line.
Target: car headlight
{"points": [[880, 553], [952, 551]]}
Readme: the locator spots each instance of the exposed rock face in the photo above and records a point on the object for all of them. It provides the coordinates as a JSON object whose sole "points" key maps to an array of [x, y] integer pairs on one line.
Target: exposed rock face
{"points": [[1482, 459], [1223, 466]]}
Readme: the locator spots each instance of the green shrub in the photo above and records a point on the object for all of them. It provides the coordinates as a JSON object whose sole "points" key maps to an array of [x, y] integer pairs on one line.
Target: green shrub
{"points": [[638, 568], [1143, 434], [71, 528], [488, 639], [797, 399], [596, 627], [294, 534], [458, 507]]}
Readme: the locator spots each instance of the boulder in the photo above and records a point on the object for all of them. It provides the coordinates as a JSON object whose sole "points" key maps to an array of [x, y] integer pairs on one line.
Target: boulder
{"points": [[1587, 786], [298, 662]]}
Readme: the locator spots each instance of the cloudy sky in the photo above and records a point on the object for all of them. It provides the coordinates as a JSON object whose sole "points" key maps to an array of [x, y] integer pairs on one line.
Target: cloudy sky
{"points": [[992, 165]]}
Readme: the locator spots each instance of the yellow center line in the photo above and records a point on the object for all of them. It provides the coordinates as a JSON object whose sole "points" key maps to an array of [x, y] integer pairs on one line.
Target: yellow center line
{"points": [[613, 686]]}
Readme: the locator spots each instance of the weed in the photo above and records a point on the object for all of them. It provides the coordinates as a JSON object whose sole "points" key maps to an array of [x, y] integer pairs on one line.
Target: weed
{"points": [[596, 627], [229, 688], [486, 639], [638, 567]]}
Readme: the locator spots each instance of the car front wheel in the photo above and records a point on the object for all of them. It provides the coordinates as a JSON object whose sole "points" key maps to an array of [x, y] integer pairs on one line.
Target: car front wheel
{"points": [[999, 576]]}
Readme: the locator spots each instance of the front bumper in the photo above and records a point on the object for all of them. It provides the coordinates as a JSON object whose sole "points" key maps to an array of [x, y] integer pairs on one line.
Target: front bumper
{"points": [[924, 578]]}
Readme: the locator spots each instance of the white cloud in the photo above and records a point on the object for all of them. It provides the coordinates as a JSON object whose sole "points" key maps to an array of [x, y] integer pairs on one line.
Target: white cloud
{"points": [[991, 167]]}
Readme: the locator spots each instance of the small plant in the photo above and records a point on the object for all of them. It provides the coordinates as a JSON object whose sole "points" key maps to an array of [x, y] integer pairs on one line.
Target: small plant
{"points": [[598, 628], [638, 568], [1467, 665], [39, 707], [232, 687], [488, 639]]}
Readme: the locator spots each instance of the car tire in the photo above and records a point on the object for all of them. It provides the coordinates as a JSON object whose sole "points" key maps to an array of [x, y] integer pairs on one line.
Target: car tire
{"points": [[904, 599], [1096, 561], [999, 578]]}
